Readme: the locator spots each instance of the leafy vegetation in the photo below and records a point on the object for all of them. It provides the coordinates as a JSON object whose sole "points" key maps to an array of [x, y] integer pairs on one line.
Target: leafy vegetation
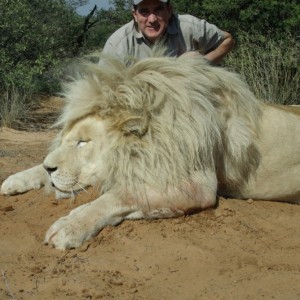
{"points": [[40, 37], [262, 17], [35, 38]]}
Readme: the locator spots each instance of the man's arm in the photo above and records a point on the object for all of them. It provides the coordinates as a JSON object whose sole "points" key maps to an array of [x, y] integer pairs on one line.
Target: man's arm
{"points": [[217, 54]]}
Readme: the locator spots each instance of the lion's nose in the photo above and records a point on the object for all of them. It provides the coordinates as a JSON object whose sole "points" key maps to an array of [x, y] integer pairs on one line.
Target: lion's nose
{"points": [[50, 169]]}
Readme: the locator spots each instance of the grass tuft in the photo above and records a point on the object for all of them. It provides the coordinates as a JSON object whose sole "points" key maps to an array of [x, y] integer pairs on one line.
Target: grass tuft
{"points": [[13, 106], [271, 68]]}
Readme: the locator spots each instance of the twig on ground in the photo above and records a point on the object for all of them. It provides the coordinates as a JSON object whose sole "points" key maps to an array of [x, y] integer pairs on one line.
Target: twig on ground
{"points": [[7, 285]]}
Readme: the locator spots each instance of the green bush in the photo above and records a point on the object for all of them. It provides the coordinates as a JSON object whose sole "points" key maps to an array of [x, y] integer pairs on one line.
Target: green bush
{"points": [[35, 36], [264, 17]]}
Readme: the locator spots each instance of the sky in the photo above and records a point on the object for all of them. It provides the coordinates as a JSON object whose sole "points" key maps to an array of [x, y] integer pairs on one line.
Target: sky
{"points": [[84, 10]]}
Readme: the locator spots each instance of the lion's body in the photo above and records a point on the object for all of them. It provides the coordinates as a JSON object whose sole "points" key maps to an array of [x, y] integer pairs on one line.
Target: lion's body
{"points": [[161, 138], [277, 176]]}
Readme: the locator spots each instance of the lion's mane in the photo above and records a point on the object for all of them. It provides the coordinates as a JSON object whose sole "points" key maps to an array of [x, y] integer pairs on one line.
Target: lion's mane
{"points": [[169, 117]]}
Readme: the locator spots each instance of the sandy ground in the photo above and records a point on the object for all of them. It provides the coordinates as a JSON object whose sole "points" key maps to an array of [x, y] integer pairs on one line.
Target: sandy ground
{"points": [[241, 250]]}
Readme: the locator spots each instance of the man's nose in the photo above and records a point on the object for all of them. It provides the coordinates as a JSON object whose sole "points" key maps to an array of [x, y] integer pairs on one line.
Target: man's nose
{"points": [[152, 18]]}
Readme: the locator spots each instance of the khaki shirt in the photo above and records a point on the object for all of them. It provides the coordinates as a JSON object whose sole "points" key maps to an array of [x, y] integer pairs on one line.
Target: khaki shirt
{"points": [[184, 33]]}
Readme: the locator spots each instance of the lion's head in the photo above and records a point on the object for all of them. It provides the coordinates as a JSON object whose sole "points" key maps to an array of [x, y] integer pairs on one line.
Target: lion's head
{"points": [[155, 121], [78, 160]]}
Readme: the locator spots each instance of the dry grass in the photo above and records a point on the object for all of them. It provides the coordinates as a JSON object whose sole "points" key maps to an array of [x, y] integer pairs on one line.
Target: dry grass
{"points": [[13, 106], [271, 68]]}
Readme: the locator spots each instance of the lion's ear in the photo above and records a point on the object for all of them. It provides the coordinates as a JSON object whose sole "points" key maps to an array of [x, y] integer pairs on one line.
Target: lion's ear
{"points": [[135, 125]]}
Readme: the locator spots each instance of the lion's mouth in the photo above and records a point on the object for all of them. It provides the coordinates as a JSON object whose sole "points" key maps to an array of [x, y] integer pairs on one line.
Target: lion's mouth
{"points": [[62, 189], [62, 194], [63, 185]]}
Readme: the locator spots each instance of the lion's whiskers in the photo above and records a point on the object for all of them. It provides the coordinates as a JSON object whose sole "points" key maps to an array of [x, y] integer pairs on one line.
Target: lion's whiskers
{"points": [[81, 187], [72, 195]]}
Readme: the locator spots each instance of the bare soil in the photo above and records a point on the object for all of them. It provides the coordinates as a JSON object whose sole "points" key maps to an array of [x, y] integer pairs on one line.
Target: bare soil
{"points": [[240, 250]]}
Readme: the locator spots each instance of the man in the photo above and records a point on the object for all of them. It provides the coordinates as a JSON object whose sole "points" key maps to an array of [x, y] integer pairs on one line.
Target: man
{"points": [[154, 22]]}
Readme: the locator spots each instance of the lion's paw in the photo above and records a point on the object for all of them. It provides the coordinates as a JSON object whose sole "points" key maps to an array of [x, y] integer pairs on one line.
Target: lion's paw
{"points": [[18, 184], [69, 232], [30, 179]]}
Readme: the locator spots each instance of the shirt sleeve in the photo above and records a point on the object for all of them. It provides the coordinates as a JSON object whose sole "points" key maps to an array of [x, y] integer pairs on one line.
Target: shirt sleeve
{"points": [[108, 47], [114, 48], [212, 37], [118, 43], [199, 34]]}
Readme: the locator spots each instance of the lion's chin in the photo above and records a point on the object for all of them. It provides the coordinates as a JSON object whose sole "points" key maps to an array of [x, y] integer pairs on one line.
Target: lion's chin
{"points": [[63, 195], [70, 191]]}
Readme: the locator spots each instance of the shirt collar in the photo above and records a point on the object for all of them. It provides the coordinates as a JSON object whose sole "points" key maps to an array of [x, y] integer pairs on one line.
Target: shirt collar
{"points": [[136, 32], [173, 25]]}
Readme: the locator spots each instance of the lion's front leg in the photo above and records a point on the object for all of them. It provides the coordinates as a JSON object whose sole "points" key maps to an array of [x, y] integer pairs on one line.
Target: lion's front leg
{"points": [[21, 182], [88, 220]]}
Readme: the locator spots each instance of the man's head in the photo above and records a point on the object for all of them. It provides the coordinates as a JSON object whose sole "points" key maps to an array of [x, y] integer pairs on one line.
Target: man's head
{"points": [[152, 17]]}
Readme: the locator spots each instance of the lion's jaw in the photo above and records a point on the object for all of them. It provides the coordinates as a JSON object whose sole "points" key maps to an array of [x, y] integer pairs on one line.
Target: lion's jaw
{"points": [[77, 162]]}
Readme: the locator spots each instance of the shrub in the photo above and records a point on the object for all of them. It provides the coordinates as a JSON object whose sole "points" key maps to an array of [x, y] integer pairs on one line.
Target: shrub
{"points": [[35, 36]]}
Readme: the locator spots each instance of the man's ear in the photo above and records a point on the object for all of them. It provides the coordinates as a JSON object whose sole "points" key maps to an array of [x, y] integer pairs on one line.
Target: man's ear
{"points": [[133, 14]]}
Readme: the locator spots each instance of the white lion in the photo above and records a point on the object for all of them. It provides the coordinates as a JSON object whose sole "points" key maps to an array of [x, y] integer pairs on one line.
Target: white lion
{"points": [[160, 138]]}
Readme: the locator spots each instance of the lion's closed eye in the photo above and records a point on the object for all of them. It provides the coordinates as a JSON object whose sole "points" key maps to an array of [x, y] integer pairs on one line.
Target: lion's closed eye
{"points": [[82, 143]]}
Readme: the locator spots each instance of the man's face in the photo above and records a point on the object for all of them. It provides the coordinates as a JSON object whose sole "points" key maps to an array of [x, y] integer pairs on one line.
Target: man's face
{"points": [[152, 17]]}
